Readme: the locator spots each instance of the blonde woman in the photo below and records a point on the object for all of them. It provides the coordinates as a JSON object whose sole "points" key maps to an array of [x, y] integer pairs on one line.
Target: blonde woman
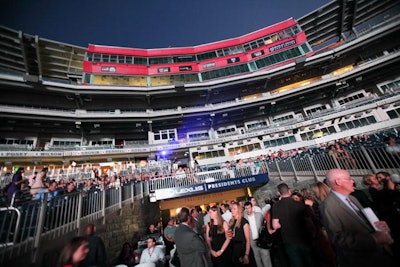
{"points": [[321, 190], [243, 255], [218, 239]]}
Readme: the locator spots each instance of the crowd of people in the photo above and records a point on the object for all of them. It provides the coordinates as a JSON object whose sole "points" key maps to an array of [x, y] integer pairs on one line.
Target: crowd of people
{"points": [[328, 224], [320, 226], [33, 187]]}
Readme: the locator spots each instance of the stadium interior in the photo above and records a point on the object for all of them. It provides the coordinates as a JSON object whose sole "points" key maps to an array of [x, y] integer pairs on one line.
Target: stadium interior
{"points": [[44, 102], [348, 86]]}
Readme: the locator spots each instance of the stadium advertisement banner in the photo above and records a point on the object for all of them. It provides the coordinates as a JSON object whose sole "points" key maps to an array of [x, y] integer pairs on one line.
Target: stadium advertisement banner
{"points": [[185, 68], [257, 54], [233, 60], [281, 46], [108, 69], [30, 154], [210, 187]]}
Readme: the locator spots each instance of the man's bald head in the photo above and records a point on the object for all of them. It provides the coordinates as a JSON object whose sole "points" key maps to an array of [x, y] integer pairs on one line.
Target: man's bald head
{"points": [[340, 181]]}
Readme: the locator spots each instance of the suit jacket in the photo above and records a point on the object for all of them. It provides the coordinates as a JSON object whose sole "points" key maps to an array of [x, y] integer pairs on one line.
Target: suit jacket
{"points": [[351, 235], [191, 248], [97, 255], [259, 219]]}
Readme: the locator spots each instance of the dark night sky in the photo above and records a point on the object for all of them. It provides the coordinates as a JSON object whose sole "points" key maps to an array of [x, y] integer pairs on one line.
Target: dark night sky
{"points": [[147, 23]]}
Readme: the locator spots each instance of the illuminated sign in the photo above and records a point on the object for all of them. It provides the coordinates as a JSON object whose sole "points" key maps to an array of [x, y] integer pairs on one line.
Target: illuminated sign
{"points": [[209, 65], [185, 68], [257, 54], [165, 69], [108, 69], [209, 187], [282, 45], [233, 60]]}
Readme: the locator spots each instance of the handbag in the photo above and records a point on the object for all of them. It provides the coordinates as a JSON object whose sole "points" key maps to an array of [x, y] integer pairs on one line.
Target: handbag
{"points": [[175, 259], [265, 239]]}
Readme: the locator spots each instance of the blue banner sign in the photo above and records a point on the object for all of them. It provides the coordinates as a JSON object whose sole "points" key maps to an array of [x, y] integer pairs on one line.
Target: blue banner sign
{"points": [[210, 187]]}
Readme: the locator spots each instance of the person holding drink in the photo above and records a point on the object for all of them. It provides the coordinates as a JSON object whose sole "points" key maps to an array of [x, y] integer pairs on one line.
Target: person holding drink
{"points": [[240, 240], [217, 238]]}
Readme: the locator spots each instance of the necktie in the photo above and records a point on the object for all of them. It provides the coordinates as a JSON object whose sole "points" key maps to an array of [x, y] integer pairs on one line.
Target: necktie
{"points": [[357, 211]]}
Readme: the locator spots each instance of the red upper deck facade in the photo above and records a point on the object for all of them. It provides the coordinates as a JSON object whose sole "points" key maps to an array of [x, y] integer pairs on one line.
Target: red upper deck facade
{"points": [[270, 47]]}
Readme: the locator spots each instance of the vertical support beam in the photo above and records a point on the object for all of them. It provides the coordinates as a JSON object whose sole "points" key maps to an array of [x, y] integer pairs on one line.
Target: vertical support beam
{"points": [[279, 170], [39, 228], [39, 59], [369, 160], [296, 176], [79, 215], [103, 205], [132, 185], [312, 167], [336, 161], [120, 199], [22, 46]]}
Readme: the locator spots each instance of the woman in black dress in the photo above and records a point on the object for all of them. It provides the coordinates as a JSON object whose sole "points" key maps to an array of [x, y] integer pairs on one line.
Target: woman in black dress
{"points": [[243, 255], [218, 240]]}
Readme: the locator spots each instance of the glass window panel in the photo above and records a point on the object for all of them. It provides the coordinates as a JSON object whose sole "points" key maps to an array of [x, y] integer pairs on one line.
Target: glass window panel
{"points": [[392, 114], [89, 56], [129, 60], [331, 129], [357, 123], [371, 119], [342, 126], [113, 58], [140, 60], [273, 142], [350, 125], [121, 59], [363, 121]]}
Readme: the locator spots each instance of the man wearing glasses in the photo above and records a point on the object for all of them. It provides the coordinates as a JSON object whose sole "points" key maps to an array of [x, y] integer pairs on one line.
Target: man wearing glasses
{"points": [[355, 240]]}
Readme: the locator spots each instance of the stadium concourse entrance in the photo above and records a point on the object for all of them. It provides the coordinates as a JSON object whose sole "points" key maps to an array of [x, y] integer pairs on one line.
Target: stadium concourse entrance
{"points": [[170, 208]]}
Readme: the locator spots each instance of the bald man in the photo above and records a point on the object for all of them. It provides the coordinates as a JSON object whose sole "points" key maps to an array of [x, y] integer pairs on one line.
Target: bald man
{"points": [[355, 240]]}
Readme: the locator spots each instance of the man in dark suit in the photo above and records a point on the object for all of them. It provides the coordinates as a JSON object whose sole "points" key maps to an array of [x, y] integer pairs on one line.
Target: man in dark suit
{"points": [[355, 240], [97, 253], [192, 250]]}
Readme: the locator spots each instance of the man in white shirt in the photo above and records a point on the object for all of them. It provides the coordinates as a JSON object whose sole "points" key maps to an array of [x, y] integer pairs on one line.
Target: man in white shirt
{"points": [[255, 219], [256, 208], [226, 215], [152, 253]]}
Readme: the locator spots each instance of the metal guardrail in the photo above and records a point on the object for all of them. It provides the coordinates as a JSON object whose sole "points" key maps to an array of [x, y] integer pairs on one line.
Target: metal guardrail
{"points": [[26, 226], [362, 160]]}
